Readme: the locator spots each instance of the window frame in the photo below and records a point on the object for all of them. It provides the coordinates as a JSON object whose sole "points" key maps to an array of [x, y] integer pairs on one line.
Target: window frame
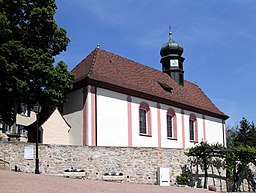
{"points": [[144, 106], [169, 125], [193, 118], [191, 127], [143, 121], [172, 114], [24, 110]]}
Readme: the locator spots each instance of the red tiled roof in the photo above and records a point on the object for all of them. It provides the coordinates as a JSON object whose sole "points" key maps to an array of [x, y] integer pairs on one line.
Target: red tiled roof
{"points": [[112, 69]]}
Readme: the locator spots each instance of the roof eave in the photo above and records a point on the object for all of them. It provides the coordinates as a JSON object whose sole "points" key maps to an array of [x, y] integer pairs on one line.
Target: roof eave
{"points": [[88, 81]]}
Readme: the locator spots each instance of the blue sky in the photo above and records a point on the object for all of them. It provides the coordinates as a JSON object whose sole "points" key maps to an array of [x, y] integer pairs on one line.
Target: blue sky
{"points": [[218, 37]]}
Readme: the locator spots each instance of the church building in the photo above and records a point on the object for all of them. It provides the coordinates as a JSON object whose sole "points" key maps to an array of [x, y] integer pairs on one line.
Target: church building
{"points": [[118, 102]]}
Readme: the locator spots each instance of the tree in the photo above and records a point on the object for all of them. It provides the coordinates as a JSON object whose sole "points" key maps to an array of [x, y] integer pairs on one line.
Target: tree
{"points": [[241, 141], [246, 134], [231, 136], [236, 162], [204, 152], [29, 40], [238, 169]]}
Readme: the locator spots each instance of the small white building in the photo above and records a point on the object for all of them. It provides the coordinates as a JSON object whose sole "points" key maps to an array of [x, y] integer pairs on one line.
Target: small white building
{"points": [[55, 130], [119, 102]]}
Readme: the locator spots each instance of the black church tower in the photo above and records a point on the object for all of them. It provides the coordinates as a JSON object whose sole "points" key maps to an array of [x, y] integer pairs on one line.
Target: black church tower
{"points": [[172, 61]]}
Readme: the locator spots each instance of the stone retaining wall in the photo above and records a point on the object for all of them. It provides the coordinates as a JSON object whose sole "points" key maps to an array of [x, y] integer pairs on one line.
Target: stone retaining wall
{"points": [[138, 165]]}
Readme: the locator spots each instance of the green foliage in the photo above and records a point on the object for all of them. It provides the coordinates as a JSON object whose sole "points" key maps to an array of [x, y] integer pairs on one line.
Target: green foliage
{"points": [[246, 154], [29, 40], [182, 179], [204, 152], [231, 136], [203, 149], [246, 134], [241, 141], [237, 165], [240, 153]]}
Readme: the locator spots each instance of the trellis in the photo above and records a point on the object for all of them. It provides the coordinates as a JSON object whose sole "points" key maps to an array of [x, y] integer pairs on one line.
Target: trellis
{"points": [[242, 156]]}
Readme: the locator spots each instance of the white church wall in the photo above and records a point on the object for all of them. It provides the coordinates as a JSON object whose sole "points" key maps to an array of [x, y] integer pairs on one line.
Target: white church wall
{"points": [[73, 114], [111, 122], [214, 130], [186, 130], [199, 119], [165, 142], [112, 118], [142, 140]]}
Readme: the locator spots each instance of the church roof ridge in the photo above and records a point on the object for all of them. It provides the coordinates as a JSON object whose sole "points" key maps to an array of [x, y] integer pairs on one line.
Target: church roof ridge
{"points": [[116, 71]]}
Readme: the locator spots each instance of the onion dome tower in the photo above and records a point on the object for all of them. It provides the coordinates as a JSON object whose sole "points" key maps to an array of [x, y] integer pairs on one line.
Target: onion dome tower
{"points": [[172, 61]]}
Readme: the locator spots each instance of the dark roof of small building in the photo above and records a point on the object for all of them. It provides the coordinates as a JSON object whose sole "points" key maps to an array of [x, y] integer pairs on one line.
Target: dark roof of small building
{"points": [[108, 69]]}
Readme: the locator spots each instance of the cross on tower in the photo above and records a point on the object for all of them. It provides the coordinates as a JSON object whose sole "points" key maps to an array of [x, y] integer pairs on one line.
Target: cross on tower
{"points": [[170, 28]]}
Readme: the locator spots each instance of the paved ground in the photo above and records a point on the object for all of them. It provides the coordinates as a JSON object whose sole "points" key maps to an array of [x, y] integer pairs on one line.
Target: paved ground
{"points": [[17, 182]]}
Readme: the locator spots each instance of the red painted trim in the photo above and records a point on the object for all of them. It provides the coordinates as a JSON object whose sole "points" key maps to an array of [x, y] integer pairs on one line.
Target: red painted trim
{"points": [[196, 131], [145, 106], [129, 112], [172, 113], [204, 128], [183, 128], [87, 81], [159, 125], [149, 122], [93, 114], [84, 115]]}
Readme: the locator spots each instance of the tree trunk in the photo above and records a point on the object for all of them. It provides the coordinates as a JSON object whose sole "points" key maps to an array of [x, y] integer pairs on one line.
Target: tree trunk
{"points": [[205, 173]]}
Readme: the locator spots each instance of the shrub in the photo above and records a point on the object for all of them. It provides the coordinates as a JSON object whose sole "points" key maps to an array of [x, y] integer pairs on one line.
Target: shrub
{"points": [[182, 179]]}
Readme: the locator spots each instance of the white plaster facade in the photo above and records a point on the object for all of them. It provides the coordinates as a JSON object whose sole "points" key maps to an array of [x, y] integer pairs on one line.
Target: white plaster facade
{"points": [[112, 118], [103, 120], [26, 120], [18, 132], [73, 112]]}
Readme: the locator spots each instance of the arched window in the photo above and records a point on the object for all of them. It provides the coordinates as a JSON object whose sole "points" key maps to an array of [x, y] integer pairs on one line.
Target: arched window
{"points": [[145, 119], [193, 128], [171, 124]]}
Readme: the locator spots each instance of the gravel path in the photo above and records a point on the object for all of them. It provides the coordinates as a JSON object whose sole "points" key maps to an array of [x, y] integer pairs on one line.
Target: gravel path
{"points": [[17, 182]]}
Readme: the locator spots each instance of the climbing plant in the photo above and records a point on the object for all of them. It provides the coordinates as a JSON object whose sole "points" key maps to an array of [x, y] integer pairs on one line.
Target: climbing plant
{"points": [[203, 153], [235, 161]]}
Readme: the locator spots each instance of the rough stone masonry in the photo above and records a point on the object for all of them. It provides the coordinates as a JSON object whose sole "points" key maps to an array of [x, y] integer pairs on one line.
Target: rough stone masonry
{"points": [[138, 165]]}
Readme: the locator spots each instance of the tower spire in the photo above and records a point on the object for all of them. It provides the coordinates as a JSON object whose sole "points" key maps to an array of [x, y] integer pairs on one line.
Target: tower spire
{"points": [[172, 60], [170, 32]]}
